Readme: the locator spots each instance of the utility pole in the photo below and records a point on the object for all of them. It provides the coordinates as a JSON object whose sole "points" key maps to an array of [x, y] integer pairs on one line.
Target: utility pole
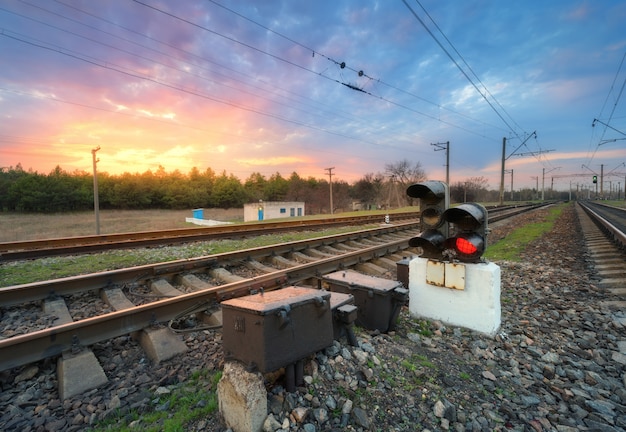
{"points": [[96, 202], [440, 146], [502, 170], [543, 181], [570, 190], [510, 172], [537, 186], [504, 158], [330, 181], [602, 181]]}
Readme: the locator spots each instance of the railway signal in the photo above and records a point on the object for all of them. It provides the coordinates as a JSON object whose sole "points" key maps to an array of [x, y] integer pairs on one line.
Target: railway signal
{"points": [[434, 200], [595, 179], [469, 241]]}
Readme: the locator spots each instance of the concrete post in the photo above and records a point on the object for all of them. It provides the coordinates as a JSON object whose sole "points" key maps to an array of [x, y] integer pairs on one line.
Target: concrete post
{"points": [[476, 306]]}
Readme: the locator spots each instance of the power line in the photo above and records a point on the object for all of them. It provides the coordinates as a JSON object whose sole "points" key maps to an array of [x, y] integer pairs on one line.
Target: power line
{"points": [[231, 39], [343, 65], [146, 58], [340, 64], [335, 115], [173, 87], [467, 64], [461, 69], [160, 82]]}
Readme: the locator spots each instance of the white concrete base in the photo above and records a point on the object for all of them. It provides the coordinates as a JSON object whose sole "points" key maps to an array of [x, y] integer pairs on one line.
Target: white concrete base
{"points": [[207, 222], [242, 398], [477, 307]]}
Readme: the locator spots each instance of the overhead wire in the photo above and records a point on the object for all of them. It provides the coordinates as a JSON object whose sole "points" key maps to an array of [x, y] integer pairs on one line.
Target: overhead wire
{"points": [[467, 64], [343, 64], [314, 113], [471, 81], [465, 74], [611, 115], [335, 116], [135, 74], [359, 72], [264, 52]]}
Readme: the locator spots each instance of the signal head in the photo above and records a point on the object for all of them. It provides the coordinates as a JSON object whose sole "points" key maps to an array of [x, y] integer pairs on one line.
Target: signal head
{"points": [[469, 241], [434, 200]]}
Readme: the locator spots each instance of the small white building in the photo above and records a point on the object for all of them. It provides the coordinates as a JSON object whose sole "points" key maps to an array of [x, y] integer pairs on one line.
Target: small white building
{"points": [[264, 210]]}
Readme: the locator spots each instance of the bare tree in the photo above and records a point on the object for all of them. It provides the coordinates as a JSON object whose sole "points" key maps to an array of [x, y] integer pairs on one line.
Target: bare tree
{"points": [[368, 190], [471, 189], [402, 174], [478, 183]]}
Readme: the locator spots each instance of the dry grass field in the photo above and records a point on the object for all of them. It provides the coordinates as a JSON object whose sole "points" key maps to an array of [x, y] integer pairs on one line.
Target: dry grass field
{"points": [[20, 227]]}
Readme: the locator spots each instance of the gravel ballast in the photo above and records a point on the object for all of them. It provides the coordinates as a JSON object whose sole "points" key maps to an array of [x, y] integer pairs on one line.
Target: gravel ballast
{"points": [[556, 364]]}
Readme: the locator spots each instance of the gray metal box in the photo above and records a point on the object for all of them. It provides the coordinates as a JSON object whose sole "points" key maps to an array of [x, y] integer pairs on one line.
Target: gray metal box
{"points": [[344, 315], [378, 300], [402, 271], [277, 328]]}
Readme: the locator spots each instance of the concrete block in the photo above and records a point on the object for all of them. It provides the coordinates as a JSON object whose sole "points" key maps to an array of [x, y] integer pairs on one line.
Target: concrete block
{"points": [[371, 269], [59, 310], [78, 373], [242, 398], [161, 344], [164, 288], [116, 298], [476, 307]]}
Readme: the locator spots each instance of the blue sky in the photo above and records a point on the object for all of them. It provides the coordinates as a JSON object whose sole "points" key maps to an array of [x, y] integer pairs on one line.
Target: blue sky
{"points": [[253, 86]]}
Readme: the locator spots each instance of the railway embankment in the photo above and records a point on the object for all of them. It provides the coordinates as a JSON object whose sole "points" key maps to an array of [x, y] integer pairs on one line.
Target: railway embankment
{"points": [[557, 364]]}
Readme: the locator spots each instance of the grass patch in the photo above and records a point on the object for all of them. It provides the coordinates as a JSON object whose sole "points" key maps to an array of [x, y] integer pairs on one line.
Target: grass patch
{"points": [[511, 247], [424, 328], [36, 226], [465, 376], [172, 412], [423, 361], [22, 272]]}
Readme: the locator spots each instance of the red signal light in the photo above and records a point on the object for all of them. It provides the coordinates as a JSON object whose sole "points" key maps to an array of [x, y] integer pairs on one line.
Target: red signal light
{"points": [[465, 247], [468, 246], [469, 223]]}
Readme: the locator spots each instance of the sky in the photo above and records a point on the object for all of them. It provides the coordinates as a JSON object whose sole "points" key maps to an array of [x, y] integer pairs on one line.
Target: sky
{"points": [[345, 87]]}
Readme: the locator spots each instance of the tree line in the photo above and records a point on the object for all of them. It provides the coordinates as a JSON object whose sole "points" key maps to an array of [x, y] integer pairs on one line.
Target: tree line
{"points": [[61, 191]]}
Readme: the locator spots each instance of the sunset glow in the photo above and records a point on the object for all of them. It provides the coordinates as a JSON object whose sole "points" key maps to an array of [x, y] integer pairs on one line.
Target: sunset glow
{"points": [[252, 87]]}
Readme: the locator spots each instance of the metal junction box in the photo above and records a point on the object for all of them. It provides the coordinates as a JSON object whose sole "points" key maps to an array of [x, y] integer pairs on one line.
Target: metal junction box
{"points": [[277, 328], [402, 271], [344, 315], [378, 300]]}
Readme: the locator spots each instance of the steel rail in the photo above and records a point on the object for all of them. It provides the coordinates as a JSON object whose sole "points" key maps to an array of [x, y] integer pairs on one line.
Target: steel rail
{"points": [[41, 344], [37, 291], [615, 233], [30, 249], [32, 347], [508, 212], [11, 251]]}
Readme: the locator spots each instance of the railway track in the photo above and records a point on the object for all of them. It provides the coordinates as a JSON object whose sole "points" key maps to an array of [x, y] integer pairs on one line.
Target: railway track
{"points": [[139, 289], [31, 249], [11, 251], [137, 298], [66, 316], [604, 231]]}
